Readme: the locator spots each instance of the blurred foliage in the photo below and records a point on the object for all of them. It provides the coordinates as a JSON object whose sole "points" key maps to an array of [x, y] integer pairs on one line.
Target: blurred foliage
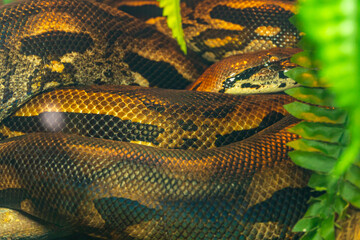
{"points": [[330, 143]]}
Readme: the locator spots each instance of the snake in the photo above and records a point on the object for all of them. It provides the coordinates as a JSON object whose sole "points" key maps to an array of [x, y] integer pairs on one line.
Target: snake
{"points": [[81, 156]]}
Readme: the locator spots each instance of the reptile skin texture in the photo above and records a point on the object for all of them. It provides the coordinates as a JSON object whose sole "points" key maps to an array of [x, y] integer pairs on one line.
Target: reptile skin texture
{"points": [[124, 191], [133, 162]]}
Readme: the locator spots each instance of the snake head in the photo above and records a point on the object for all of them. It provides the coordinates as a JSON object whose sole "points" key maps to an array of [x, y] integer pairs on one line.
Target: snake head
{"points": [[259, 72]]}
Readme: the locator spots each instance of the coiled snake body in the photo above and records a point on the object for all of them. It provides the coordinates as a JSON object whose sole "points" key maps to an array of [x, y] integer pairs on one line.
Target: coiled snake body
{"points": [[72, 160]]}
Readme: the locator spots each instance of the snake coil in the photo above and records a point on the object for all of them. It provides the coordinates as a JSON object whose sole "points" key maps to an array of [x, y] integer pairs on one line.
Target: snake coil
{"points": [[70, 154]]}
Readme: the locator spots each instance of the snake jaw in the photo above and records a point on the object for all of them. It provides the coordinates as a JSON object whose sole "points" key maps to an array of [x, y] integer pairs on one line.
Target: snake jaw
{"points": [[264, 81]]}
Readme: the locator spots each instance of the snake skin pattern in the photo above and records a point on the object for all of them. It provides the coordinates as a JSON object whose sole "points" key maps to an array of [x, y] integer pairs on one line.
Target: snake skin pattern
{"points": [[148, 116], [118, 190], [218, 29], [94, 45], [70, 158]]}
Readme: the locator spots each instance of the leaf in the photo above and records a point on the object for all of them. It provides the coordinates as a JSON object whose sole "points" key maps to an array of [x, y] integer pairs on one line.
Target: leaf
{"points": [[333, 33], [312, 161], [318, 96], [307, 45], [351, 153], [315, 114], [330, 29], [173, 14], [350, 193], [319, 131], [326, 229], [306, 224], [322, 182], [317, 209], [312, 235], [340, 205], [302, 59], [353, 175], [328, 149], [304, 76]]}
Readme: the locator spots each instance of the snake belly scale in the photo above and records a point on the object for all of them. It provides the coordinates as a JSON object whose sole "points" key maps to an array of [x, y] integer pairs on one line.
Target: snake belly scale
{"points": [[215, 165]]}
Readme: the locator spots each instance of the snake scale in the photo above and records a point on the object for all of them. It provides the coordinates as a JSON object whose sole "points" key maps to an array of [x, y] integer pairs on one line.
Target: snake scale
{"points": [[74, 158]]}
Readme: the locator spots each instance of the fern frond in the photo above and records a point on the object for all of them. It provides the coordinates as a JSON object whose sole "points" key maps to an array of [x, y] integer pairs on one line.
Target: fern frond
{"points": [[330, 144], [171, 10]]}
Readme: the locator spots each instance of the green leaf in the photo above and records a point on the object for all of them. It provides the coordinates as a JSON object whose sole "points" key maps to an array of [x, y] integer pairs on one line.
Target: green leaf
{"points": [[307, 45], [357, 164], [173, 14], [322, 182], [317, 209], [313, 161], [319, 131], [322, 197], [302, 59], [326, 229], [353, 175], [331, 30], [304, 76], [328, 149], [350, 193], [306, 224], [318, 96], [313, 235], [351, 152], [315, 114], [340, 205]]}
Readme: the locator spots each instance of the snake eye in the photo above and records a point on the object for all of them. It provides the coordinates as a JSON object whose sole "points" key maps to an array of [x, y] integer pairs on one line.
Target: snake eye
{"points": [[56, 43]]}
